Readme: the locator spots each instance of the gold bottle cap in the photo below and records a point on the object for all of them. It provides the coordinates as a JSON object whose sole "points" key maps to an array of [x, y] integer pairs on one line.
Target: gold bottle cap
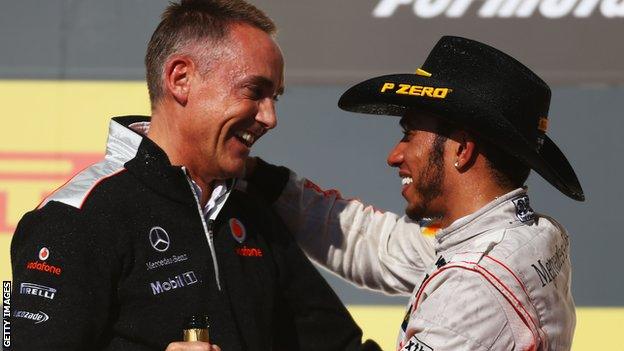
{"points": [[196, 335]]}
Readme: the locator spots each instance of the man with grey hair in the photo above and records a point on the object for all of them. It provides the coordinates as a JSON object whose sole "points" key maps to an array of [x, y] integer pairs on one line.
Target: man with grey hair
{"points": [[124, 253]]}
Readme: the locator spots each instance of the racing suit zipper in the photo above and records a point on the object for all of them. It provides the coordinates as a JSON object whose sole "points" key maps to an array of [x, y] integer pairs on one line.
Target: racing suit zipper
{"points": [[208, 230], [212, 250]]}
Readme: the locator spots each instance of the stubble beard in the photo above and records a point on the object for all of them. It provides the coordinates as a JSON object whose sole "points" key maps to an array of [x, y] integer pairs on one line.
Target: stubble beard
{"points": [[429, 185]]}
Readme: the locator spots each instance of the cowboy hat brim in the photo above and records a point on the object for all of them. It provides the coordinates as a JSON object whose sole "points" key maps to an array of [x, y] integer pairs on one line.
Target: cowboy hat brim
{"points": [[396, 94]]}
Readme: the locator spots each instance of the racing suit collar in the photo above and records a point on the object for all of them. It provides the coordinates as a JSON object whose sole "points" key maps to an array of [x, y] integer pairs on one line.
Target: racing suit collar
{"points": [[151, 164], [502, 209]]}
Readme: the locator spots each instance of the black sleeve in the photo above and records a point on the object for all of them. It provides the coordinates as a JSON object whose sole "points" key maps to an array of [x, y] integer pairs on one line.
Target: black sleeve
{"points": [[310, 316], [269, 180], [62, 282]]}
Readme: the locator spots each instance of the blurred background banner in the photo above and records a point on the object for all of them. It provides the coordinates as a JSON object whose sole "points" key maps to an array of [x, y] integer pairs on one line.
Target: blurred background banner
{"points": [[67, 66], [325, 41]]}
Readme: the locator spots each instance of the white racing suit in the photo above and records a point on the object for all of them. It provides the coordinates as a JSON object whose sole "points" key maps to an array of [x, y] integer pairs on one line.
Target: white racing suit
{"points": [[498, 279]]}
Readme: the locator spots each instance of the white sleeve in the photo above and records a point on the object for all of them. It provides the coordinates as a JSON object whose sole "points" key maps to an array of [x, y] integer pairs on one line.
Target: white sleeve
{"points": [[374, 249]]}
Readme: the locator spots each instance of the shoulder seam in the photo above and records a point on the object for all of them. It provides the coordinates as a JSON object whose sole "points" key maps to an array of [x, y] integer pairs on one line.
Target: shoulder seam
{"points": [[98, 182], [77, 189]]}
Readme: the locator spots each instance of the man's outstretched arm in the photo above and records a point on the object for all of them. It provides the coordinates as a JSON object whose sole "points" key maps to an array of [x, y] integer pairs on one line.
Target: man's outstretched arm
{"points": [[371, 248]]}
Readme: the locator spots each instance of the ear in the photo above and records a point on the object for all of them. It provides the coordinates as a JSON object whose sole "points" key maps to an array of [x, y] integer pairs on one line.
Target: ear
{"points": [[465, 151], [177, 78]]}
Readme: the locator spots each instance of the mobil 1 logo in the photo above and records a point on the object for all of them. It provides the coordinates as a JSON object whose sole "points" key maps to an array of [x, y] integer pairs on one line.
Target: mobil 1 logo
{"points": [[177, 282]]}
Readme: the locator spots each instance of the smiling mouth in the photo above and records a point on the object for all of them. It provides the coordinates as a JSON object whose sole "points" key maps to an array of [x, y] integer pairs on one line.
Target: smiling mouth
{"points": [[246, 137]]}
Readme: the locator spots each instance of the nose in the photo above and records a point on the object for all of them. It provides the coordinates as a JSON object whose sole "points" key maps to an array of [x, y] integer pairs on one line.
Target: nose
{"points": [[266, 114], [395, 156]]}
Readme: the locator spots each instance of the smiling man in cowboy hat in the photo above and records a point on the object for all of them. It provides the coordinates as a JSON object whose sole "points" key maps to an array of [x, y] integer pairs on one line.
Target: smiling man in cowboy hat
{"points": [[497, 274]]}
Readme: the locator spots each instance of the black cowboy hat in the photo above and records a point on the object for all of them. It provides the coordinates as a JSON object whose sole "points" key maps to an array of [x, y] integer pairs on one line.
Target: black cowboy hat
{"points": [[479, 88]]}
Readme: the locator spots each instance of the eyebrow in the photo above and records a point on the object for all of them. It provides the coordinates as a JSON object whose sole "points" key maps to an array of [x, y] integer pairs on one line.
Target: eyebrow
{"points": [[265, 82]]}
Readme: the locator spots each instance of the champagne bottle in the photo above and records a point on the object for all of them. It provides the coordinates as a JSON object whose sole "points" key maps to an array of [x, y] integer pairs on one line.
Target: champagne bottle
{"points": [[196, 328]]}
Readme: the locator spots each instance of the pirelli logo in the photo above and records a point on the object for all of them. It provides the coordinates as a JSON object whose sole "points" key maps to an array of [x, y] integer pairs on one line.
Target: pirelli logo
{"points": [[415, 90], [28, 177]]}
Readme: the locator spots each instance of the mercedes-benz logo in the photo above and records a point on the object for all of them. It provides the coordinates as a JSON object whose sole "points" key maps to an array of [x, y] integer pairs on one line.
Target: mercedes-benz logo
{"points": [[159, 239]]}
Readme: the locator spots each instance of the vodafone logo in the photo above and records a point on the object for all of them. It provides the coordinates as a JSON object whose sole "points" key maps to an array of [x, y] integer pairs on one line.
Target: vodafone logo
{"points": [[249, 251], [44, 253], [44, 267], [238, 230], [502, 8]]}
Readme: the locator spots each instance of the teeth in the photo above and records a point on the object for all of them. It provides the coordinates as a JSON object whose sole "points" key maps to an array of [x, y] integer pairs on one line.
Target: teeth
{"points": [[406, 180], [247, 137]]}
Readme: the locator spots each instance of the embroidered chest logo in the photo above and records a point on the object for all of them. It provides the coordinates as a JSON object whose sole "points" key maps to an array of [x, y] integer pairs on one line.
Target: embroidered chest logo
{"points": [[37, 290], [44, 253], [37, 317], [177, 282], [159, 239], [441, 262], [524, 212], [414, 344], [239, 233]]}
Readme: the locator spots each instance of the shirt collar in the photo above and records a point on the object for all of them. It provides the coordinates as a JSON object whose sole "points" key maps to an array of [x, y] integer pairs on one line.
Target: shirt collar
{"points": [[220, 191], [507, 209]]}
